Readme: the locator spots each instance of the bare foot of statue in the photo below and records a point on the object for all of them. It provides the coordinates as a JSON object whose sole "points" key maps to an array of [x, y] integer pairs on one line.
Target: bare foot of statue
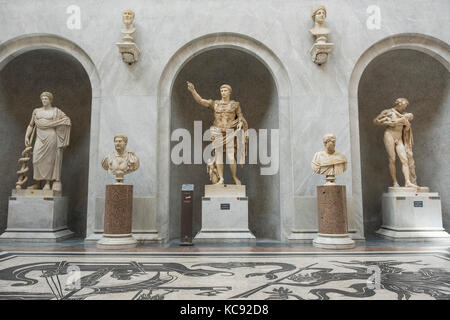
{"points": [[237, 181], [396, 185], [35, 186], [220, 181], [47, 186], [410, 185]]}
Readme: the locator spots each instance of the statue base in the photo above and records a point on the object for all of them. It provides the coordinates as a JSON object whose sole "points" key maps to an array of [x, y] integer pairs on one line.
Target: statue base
{"points": [[116, 241], [224, 215], [412, 216], [36, 218], [118, 218], [39, 193], [333, 241], [332, 218]]}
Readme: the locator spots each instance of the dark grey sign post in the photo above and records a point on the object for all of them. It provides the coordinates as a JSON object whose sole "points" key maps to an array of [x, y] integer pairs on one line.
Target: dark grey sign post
{"points": [[187, 208]]}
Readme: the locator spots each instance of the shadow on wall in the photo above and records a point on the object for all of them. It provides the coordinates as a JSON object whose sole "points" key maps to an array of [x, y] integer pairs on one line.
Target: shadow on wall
{"points": [[21, 82], [424, 81], [253, 86]]}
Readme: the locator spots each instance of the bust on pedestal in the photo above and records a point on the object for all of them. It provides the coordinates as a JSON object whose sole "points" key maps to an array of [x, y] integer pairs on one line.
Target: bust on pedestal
{"points": [[409, 212], [39, 212], [128, 48], [321, 48], [225, 207], [331, 198], [119, 198]]}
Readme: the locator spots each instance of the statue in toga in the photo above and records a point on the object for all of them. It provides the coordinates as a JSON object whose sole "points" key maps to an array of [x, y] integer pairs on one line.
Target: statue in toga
{"points": [[52, 130]]}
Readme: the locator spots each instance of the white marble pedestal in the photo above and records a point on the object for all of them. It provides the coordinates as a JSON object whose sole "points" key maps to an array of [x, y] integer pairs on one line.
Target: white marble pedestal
{"points": [[224, 215], [37, 218], [412, 216]]}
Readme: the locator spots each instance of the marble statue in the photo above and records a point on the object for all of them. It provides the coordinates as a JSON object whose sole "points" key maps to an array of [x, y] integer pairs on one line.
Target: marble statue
{"points": [[321, 48], [319, 31], [128, 19], [329, 162], [128, 48], [398, 139], [228, 133], [120, 162], [51, 127]]}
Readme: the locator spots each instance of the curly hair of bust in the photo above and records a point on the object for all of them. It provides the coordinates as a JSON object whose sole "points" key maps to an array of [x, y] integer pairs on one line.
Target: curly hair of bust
{"points": [[49, 95], [328, 137], [124, 137], [226, 86]]}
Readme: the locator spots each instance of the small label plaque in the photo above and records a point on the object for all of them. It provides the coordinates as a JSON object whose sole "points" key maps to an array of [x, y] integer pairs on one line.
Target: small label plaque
{"points": [[224, 206], [187, 187], [418, 204]]}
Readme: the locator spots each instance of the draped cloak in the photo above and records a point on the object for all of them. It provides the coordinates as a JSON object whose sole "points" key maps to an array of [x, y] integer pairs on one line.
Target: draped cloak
{"points": [[324, 163], [52, 135], [229, 136]]}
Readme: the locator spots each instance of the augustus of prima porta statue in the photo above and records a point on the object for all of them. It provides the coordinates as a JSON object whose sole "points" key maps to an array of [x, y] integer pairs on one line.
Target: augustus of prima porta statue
{"points": [[228, 133]]}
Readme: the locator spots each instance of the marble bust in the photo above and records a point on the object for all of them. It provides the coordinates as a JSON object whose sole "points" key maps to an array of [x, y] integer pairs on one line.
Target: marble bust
{"points": [[51, 128], [228, 130], [128, 48], [129, 29], [319, 30], [329, 162], [321, 48], [121, 161], [398, 139]]}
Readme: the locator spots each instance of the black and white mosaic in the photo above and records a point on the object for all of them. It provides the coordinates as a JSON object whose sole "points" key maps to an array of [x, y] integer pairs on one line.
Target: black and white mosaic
{"points": [[225, 276]]}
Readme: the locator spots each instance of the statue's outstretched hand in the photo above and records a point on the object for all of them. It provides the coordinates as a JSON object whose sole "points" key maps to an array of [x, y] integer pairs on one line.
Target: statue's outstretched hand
{"points": [[190, 86]]}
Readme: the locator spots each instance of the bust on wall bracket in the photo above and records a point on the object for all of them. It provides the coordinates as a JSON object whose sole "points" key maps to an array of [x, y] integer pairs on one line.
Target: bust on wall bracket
{"points": [[321, 48], [128, 48]]}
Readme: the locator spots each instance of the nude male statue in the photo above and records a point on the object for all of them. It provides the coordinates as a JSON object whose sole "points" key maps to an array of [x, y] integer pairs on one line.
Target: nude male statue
{"points": [[398, 138], [227, 131]]}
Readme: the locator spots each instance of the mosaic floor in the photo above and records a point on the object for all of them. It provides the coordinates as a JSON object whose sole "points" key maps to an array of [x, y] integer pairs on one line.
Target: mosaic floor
{"points": [[209, 275]]}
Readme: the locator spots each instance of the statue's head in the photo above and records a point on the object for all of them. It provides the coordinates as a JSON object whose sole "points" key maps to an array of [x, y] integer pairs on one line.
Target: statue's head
{"points": [[46, 98], [128, 17], [225, 90], [400, 104], [329, 141], [319, 14], [120, 142]]}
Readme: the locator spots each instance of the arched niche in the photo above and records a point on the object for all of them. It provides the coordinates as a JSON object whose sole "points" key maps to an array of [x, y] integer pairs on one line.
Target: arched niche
{"points": [[166, 84], [253, 86], [30, 65], [414, 67]]}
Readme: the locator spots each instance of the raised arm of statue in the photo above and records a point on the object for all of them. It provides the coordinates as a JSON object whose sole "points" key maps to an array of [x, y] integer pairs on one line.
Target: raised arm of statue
{"points": [[197, 98]]}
